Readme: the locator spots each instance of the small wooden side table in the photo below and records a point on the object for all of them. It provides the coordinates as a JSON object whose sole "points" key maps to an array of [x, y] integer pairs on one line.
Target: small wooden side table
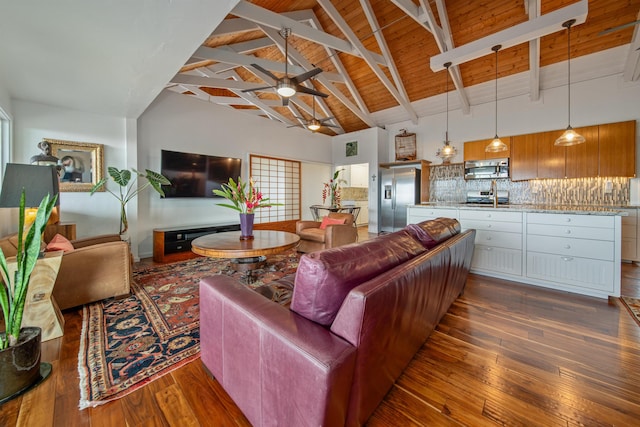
{"points": [[41, 308], [66, 229]]}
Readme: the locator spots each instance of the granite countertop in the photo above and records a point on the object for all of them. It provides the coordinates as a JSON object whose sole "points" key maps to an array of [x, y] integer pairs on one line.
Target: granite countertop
{"points": [[560, 209]]}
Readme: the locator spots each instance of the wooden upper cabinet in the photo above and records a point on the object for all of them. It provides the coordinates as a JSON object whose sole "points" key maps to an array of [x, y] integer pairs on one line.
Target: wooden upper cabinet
{"points": [[618, 149], [474, 150], [524, 157], [582, 159], [551, 158]]}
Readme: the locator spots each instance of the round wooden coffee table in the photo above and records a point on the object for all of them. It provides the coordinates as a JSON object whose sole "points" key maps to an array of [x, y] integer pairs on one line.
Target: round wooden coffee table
{"points": [[245, 255]]}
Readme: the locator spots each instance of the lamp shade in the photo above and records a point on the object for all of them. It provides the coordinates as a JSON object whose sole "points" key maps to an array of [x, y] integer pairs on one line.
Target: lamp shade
{"points": [[37, 181]]}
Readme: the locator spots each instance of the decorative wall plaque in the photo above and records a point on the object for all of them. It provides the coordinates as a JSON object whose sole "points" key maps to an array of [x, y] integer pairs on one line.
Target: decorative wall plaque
{"points": [[405, 146]]}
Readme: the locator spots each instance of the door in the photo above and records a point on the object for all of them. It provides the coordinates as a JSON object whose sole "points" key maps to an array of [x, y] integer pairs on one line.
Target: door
{"points": [[405, 194], [386, 200]]}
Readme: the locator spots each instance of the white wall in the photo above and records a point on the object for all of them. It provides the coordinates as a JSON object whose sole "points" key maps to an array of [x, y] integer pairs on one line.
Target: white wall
{"points": [[7, 220], [181, 123], [93, 215], [369, 143], [602, 100]]}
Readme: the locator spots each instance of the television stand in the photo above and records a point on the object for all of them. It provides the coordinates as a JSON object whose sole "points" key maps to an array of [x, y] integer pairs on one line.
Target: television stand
{"points": [[174, 243]]}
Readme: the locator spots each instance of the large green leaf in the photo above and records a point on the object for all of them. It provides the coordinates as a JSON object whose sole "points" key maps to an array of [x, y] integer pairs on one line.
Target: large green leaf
{"points": [[121, 177]]}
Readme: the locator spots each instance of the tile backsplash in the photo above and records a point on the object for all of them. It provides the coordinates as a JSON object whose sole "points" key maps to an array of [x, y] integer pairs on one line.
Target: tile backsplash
{"points": [[448, 185]]}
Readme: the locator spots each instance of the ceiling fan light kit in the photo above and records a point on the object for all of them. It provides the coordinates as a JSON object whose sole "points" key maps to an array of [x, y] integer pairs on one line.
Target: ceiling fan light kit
{"points": [[496, 145], [285, 88], [570, 136]]}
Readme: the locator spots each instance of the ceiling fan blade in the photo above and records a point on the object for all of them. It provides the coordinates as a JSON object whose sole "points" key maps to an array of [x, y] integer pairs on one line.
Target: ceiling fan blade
{"points": [[308, 91], [305, 76], [257, 88], [265, 71], [330, 126], [619, 27], [326, 119]]}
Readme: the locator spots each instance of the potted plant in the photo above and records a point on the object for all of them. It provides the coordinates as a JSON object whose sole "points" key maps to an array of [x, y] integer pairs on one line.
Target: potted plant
{"points": [[20, 347], [332, 189], [245, 200], [128, 189]]}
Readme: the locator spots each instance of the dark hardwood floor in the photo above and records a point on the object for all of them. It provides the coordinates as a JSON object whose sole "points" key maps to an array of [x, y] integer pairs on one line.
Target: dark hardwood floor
{"points": [[504, 354]]}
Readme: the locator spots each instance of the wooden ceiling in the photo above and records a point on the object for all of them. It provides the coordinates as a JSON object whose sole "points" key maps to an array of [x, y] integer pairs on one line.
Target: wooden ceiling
{"points": [[375, 54]]}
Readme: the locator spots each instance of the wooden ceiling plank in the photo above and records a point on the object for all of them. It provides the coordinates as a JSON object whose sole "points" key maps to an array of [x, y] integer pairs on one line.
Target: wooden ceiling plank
{"points": [[277, 21], [437, 31], [384, 47], [348, 32], [632, 64], [521, 33], [533, 10], [342, 70], [414, 12]]}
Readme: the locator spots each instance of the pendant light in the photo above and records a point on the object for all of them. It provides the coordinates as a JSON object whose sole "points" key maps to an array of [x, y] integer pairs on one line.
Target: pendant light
{"points": [[447, 152], [496, 145], [314, 124], [570, 136]]}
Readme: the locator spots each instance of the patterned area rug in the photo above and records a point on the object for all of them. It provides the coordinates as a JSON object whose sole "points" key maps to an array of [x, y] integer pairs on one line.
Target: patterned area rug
{"points": [[130, 342], [633, 305]]}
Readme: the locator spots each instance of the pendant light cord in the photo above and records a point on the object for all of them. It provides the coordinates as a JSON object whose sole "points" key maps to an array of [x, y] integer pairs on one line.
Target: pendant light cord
{"points": [[496, 48], [569, 71], [446, 134]]}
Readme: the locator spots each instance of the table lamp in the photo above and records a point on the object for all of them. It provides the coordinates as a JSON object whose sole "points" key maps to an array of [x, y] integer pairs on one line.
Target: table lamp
{"points": [[37, 181]]}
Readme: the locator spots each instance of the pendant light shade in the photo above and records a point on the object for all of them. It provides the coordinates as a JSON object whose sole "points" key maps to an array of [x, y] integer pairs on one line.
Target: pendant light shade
{"points": [[570, 136], [496, 145], [447, 151]]}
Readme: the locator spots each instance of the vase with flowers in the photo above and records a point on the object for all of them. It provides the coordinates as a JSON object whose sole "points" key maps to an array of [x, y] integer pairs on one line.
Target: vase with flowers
{"points": [[332, 189], [246, 199]]}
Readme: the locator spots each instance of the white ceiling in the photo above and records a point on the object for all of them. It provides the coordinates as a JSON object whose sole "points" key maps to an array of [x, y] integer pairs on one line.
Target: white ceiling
{"points": [[109, 57]]}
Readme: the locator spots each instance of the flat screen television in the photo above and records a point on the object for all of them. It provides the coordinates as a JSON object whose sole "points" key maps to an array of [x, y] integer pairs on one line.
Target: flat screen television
{"points": [[196, 175]]}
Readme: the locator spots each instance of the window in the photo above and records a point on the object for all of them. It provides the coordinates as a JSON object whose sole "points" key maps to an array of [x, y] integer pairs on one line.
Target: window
{"points": [[279, 180]]}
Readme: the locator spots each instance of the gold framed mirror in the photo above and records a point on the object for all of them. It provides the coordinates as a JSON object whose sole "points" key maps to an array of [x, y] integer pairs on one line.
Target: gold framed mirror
{"points": [[81, 164]]}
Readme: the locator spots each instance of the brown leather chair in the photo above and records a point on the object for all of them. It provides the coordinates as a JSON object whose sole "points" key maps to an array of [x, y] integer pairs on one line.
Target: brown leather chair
{"points": [[313, 238], [98, 268]]}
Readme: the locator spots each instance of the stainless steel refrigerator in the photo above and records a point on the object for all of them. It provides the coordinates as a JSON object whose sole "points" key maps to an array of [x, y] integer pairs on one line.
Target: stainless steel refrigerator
{"points": [[399, 187]]}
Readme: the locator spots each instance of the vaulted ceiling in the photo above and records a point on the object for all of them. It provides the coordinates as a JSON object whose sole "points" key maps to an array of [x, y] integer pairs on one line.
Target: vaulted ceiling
{"points": [[378, 55]]}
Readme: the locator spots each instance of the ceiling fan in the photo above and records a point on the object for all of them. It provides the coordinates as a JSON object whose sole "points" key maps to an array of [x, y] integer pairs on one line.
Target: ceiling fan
{"points": [[314, 124], [287, 86]]}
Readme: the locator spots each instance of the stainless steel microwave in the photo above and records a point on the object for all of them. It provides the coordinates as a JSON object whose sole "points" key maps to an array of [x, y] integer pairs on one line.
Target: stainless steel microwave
{"points": [[486, 169]]}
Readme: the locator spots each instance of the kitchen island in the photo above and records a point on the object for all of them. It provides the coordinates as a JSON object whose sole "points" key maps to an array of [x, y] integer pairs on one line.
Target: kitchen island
{"points": [[570, 248]]}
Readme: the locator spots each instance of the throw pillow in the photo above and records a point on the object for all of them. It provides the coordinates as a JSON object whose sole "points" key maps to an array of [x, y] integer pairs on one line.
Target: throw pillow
{"points": [[330, 221], [59, 243]]}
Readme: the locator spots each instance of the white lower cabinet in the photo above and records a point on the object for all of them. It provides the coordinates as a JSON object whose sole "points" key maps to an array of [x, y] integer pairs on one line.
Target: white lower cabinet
{"points": [[572, 252], [498, 240], [580, 253]]}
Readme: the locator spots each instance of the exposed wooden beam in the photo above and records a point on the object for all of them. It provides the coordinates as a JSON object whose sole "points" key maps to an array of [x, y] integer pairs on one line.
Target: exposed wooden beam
{"points": [[240, 25], [348, 32], [521, 33], [533, 10], [414, 12], [211, 82], [277, 21], [632, 64], [228, 56]]}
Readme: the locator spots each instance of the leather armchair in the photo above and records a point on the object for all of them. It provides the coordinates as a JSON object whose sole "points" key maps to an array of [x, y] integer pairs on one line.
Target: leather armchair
{"points": [[99, 267], [313, 238]]}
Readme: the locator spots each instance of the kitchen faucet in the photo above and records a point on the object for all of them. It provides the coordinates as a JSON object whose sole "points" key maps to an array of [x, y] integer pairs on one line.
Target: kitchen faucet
{"points": [[493, 191]]}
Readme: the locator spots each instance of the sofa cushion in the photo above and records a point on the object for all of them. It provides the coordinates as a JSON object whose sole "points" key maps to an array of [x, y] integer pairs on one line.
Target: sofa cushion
{"points": [[330, 221], [59, 243], [435, 231], [313, 234], [324, 278]]}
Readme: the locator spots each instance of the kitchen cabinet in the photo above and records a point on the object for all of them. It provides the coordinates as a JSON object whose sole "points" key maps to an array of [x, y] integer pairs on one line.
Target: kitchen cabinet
{"points": [[524, 157], [498, 246], [630, 235], [617, 149], [551, 158], [574, 251], [582, 160], [360, 175], [474, 150]]}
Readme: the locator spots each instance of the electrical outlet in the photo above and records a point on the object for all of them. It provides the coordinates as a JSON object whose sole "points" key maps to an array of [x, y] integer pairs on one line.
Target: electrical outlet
{"points": [[608, 187]]}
